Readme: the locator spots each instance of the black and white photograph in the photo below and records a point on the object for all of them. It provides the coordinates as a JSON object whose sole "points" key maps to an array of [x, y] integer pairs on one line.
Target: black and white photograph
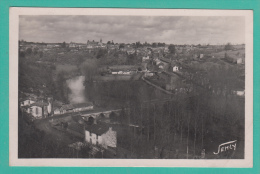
{"points": [[115, 84]]}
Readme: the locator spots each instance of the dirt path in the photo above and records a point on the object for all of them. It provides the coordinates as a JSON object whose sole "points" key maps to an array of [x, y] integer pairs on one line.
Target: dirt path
{"points": [[53, 134]]}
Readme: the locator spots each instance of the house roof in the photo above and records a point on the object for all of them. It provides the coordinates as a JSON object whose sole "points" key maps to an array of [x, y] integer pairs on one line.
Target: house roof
{"points": [[40, 104], [78, 119], [81, 105], [76, 127], [98, 129], [67, 107], [57, 104], [165, 60]]}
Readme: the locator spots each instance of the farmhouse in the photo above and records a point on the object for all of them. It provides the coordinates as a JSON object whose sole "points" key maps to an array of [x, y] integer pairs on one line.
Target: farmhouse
{"points": [[175, 68], [67, 108], [145, 58], [27, 102], [94, 44], [101, 135], [82, 106], [38, 109], [130, 51]]}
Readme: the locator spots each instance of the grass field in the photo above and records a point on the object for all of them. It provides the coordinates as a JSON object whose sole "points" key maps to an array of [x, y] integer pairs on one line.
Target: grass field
{"points": [[65, 67], [230, 53]]}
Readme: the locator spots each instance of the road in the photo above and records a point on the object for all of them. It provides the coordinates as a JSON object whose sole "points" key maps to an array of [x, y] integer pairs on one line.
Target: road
{"points": [[157, 87], [52, 133]]}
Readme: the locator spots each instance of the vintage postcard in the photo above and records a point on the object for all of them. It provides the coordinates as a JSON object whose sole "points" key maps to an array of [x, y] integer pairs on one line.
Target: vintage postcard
{"points": [[131, 87]]}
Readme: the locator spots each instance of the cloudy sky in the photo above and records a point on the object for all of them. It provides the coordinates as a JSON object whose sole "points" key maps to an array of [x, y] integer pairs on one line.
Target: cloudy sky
{"points": [[129, 29]]}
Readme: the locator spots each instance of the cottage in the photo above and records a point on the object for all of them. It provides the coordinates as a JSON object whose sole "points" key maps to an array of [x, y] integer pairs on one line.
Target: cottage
{"points": [[239, 61], [67, 108], [148, 74], [114, 72], [27, 102], [101, 135], [127, 73], [161, 65], [56, 107], [145, 58], [157, 61], [93, 44], [82, 106], [72, 45], [239, 92], [175, 69], [130, 51], [38, 109], [56, 111]]}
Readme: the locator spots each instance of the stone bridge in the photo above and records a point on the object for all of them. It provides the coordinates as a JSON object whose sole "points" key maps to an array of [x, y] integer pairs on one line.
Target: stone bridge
{"points": [[105, 114]]}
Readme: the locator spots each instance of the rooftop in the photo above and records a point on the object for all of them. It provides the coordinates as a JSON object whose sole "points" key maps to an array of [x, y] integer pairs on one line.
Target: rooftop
{"points": [[98, 129]]}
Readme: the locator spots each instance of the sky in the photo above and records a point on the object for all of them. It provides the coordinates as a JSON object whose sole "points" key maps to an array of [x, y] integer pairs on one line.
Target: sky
{"points": [[129, 29]]}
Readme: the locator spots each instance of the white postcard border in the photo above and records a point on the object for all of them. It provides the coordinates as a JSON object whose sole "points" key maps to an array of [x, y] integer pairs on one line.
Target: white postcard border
{"points": [[14, 13]]}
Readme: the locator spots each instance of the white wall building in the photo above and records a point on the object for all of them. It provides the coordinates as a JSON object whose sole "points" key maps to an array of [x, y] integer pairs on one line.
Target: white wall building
{"points": [[27, 102], [101, 135], [175, 69]]}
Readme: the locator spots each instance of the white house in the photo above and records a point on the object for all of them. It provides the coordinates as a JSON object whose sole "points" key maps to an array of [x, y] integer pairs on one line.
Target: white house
{"points": [[27, 102], [239, 92], [56, 111], [37, 109], [101, 135], [175, 69], [82, 106], [145, 58], [239, 61], [148, 74], [161, 65], [67, 108]]}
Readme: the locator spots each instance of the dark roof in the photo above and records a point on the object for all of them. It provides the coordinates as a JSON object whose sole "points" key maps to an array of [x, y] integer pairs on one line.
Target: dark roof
{"points": [[57, 104], [165, 60], [76, 127], [39, 103], [67, 107], [81, 105], [98, 129], [78, 119]]}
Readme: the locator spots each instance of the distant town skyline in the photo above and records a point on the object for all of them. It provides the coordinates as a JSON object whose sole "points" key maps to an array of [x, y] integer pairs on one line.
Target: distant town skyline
{"points": [[130, 29]]}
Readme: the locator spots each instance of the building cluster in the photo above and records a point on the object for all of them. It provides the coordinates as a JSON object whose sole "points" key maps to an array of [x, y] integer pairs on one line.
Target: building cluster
{"points": [[45, 107]]}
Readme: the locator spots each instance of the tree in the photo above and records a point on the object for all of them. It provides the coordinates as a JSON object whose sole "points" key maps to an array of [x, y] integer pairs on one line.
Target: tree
{"points": [[63, 45], [228, 46], [138, 44], [61, 80], [113, 116], [172, 49], [35, 50], [29, 51], [91, 120], [108, 42], [121, 46], [89, 69], [154, 45], [101, 53], [41, 54]]}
